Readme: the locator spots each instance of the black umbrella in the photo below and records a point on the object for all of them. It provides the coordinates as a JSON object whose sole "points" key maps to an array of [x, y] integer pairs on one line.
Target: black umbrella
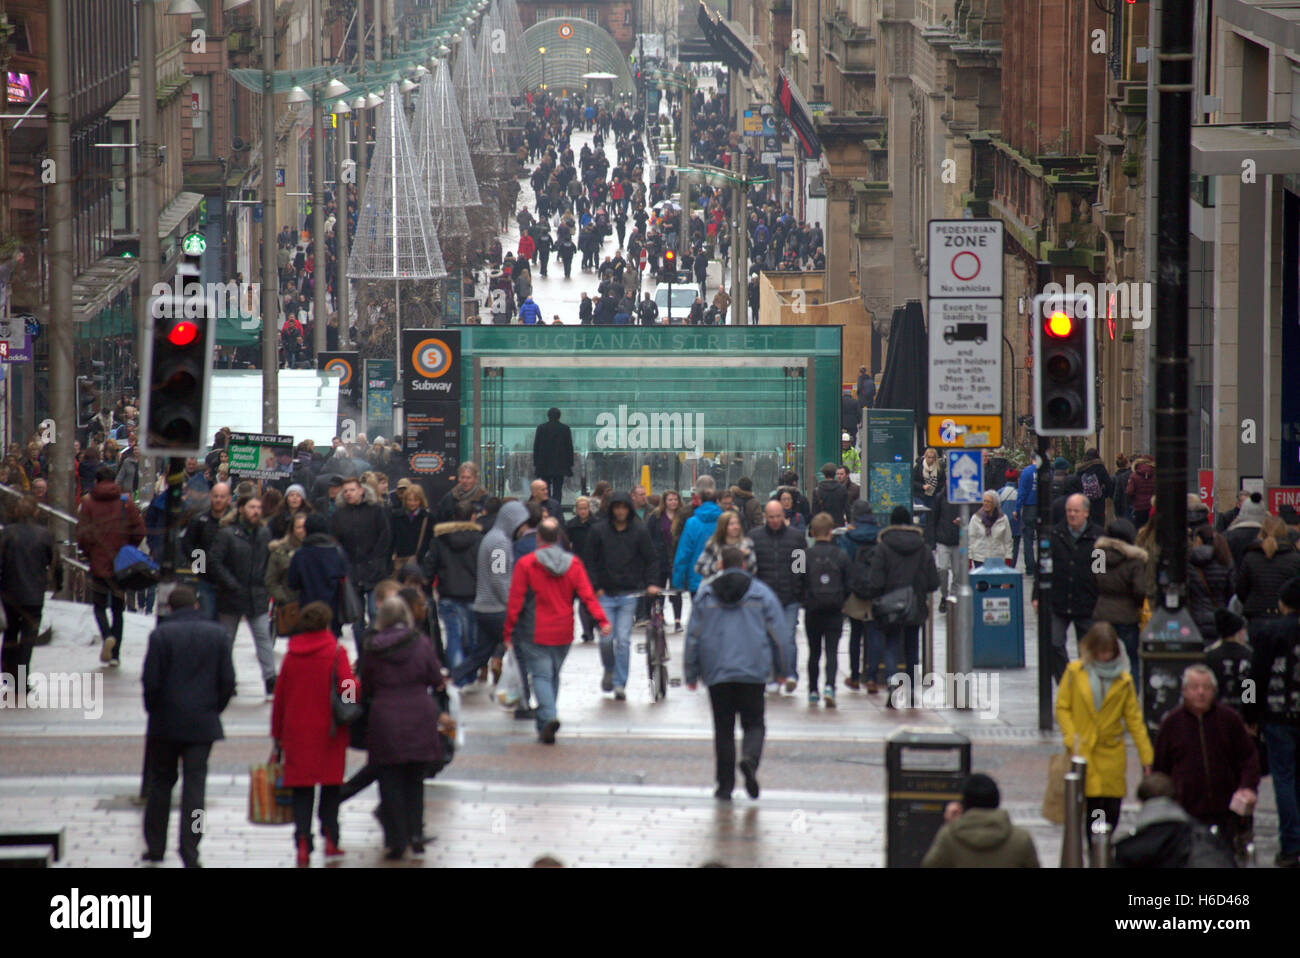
{"points": [[905, 383]]}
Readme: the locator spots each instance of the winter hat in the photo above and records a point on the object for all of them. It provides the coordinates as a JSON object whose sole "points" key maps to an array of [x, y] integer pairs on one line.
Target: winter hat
{"points": [[1227, 623], [1012, 474], [1253, 510], [1290, 593], [862, 512], [296, 488], [1061, 464]]}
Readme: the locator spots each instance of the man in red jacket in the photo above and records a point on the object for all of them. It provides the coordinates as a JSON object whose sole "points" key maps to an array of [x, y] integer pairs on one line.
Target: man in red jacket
{"points": [[539, 614], [106, 521]]}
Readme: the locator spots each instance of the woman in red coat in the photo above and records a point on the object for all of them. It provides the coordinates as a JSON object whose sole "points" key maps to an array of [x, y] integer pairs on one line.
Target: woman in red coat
{"points": [[302, 725], [527, 246]]}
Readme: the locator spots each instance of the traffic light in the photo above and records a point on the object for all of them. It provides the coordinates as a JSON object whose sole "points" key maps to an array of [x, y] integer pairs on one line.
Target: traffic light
{"points": [[670, 264], [178, 364], [85, 401], [1065, 369]]}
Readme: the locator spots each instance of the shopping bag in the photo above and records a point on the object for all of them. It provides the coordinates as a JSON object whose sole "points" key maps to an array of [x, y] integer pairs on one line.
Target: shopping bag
{"points": [[269, 802], [1054, 796], [510, 687]]}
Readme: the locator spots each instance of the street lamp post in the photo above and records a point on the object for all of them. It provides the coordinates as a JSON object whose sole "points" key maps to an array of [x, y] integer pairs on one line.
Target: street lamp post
{"points": [[318, 282], [542, 51], [270, 273]]}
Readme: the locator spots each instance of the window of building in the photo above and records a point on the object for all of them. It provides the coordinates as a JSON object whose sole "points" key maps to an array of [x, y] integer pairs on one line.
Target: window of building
{"points": [[19, 39], [201, 21], [120, 163], [593, 14], [201, 114]]}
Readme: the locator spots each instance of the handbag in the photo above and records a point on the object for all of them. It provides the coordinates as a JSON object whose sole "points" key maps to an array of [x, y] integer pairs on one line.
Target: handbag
{"points": [[342, 711], [269, 802], [349, 601], [1054, 796], [895, 607], [286, 618], [400, 561], [857, 608]]}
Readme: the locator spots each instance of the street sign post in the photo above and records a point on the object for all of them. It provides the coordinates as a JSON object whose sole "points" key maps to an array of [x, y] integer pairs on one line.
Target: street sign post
{"points": [[966, 356], [965, 476], [965, 258]]}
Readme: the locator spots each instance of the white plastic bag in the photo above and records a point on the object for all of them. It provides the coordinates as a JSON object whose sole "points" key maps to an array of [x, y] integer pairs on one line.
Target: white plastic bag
{"points": [[510, 687]]}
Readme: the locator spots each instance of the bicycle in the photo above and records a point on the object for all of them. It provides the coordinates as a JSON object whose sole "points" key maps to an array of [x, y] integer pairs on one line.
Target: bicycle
{"points": [[655, 648]]}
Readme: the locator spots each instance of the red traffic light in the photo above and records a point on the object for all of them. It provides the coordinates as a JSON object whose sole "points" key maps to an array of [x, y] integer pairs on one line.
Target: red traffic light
{"points": [[669, 256], [1059, 324], [183, 333]]}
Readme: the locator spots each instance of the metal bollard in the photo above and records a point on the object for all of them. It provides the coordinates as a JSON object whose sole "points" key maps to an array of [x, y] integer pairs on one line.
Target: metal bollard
{"points": [[1099, 849], [1076, 814], [1072, 839]]}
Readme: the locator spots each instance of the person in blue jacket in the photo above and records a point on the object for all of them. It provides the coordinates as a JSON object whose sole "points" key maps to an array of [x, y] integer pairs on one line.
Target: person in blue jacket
{"points": [[1026, 513], [530, 313], [695, 534]]}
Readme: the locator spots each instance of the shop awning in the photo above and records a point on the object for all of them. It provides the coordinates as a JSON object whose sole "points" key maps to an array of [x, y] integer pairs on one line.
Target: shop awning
{"points": [[734, 49], [796, 110], [95, 289]]}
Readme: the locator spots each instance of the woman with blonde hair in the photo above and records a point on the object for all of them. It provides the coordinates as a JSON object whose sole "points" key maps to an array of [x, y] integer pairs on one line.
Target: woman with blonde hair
{"points": [[1095, 701], [728, 532]]}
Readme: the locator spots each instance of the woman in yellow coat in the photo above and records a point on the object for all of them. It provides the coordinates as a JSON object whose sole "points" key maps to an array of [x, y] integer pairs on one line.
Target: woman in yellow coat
{"points": [[1094, 702]]}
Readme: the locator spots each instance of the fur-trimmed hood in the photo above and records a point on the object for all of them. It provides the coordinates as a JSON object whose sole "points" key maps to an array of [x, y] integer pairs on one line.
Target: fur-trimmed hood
{"points": [[1123, 548]]}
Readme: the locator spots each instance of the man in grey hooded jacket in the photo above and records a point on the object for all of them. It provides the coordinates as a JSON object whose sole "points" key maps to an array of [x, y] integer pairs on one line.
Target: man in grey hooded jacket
{"points": [[730, 645], [492, 590]]}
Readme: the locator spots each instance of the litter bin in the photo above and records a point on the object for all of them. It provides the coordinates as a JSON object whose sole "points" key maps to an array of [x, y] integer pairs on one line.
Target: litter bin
{"points": [[925, 770], [999, 616], [1169, 644]]}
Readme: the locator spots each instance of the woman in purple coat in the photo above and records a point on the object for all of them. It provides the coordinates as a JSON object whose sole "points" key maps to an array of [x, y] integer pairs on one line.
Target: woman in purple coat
{"points": [[397, 670]]}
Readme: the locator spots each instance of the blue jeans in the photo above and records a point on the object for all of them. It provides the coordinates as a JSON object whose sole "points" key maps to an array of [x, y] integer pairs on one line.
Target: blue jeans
{"points": [[1282, 742], [883, 652], [616, 648], [457, 629], [207, 599], [488, 627], [543, 664]]}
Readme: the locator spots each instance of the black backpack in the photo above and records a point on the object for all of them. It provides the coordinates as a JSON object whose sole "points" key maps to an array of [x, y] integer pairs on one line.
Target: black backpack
{"points": [[860, 570], [824, 584]]}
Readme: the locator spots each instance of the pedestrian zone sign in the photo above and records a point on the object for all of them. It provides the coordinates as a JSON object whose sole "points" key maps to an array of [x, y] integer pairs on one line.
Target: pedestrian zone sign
{"points": [[965, 476]]}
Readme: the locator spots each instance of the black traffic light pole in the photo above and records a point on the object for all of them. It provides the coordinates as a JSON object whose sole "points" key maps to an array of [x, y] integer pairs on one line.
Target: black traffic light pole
{"points": [[1042, 542], [1174, 88]]}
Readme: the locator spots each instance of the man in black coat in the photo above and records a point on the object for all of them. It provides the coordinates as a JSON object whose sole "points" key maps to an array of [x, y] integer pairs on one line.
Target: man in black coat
{"points": [[781, 553], [1074, 586], [553, 452], [188, 680], [622, 562], [902, 559], [1276, 663], [26, 552], [237, 563], [361, 525], [831, 496]]}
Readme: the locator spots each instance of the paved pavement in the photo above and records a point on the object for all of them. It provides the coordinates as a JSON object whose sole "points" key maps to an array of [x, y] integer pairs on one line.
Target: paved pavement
{"points": [[628, 783]]}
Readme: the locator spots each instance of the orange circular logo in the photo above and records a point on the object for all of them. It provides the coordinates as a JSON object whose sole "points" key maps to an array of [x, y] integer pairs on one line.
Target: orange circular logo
{"points": [[566, 31], [341, 366], [431, 358]]}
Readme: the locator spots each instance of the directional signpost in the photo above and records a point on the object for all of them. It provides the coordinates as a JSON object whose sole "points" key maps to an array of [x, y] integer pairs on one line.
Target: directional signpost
{"points": [[965, 337]]}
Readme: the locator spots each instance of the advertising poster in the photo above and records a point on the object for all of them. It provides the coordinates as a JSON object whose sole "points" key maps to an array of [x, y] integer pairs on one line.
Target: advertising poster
{"points": [[260, 456]]}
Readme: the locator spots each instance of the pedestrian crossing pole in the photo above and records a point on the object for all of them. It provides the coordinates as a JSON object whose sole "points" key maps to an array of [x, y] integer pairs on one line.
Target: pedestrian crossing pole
{"points": [[1043, 575]]}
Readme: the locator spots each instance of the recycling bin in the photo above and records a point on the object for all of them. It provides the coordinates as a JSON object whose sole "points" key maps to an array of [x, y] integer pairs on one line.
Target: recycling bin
{"points": [[999, 616], [925, 770]]}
